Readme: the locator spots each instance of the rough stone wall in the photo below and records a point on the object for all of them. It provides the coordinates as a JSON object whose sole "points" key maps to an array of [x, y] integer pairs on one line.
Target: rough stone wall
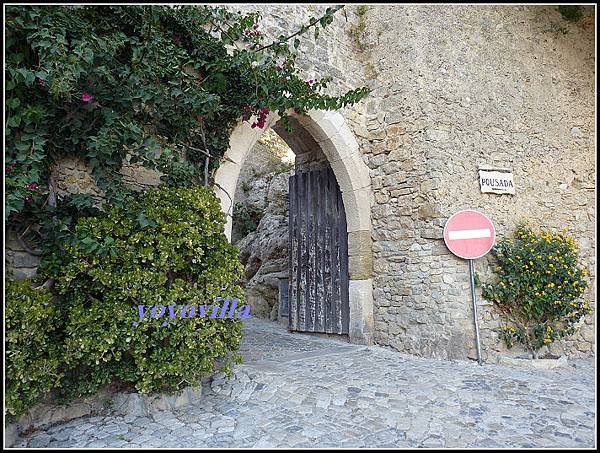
{"points": [[454, 88], [333, 53], [19, 260], [263, 184], [73, 176], [458, 87], [259, 185]]}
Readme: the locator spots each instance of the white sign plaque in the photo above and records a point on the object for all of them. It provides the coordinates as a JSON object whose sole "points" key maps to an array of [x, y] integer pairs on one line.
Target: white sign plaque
{"points": [[496, 181]]}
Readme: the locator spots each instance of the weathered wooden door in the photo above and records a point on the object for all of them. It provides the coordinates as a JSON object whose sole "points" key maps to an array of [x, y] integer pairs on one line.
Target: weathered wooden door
{"points": [[318, 254]]}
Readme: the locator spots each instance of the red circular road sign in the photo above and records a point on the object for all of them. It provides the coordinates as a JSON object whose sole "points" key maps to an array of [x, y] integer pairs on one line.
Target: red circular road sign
{"points": [[469, 234]]}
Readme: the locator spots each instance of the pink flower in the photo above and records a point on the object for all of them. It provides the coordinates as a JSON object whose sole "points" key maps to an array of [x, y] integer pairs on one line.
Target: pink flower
{"points": [[41, 82], [247, 112], [176, 39], [260, 123], [86, 97], [10, 167], [33, 186]]}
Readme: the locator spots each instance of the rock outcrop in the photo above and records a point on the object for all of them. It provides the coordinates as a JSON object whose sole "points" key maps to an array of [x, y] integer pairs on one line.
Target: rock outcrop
{"points": [[263, 188]]}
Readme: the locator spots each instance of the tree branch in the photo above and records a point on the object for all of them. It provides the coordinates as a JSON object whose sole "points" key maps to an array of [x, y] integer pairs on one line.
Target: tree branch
{"points": [[303, 29], [230, 199]]}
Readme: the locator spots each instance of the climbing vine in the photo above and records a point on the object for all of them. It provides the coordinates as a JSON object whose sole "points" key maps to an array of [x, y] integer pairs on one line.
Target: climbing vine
{"points": [[158, 85]]}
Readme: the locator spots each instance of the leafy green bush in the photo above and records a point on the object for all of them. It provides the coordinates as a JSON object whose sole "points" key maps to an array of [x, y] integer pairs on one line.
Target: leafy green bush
{"points": [[158, 84], [168, 247], [572, 13], [32, 352], [246, 218], [539, 287]]}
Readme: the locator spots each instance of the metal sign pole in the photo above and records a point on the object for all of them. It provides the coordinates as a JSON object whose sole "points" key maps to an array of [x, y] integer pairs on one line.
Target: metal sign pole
{"points": [[472, 275]]}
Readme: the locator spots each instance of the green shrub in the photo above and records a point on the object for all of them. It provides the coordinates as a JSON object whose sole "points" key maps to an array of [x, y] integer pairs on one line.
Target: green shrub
{"points": [[572, 13], [32, 352], [539, 287], [160, 85], [168, 247], [246, 218]]}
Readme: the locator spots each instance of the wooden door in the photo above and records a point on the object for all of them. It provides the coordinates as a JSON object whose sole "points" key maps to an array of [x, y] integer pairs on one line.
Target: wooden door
{"points": [[318, 254]]}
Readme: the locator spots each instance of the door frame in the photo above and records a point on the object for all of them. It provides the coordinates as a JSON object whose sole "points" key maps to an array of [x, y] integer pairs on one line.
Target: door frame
{"points": [[332, 133]]}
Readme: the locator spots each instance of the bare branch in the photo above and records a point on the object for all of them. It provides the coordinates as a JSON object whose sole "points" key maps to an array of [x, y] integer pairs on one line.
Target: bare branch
{"points": [[303, 29]]}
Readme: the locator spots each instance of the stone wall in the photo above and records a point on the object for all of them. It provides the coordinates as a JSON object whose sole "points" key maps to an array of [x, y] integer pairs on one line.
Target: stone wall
{"points": [[71, 175], [477, 85], [454, 88], [19, 260]]}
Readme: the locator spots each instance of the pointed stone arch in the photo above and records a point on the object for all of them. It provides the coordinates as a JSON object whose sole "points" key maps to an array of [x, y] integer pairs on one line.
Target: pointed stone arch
{"points": [[330, 130]]}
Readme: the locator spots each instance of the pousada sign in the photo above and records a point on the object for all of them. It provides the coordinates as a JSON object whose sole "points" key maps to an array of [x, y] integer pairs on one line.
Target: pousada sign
{"points": [[495, 181]]}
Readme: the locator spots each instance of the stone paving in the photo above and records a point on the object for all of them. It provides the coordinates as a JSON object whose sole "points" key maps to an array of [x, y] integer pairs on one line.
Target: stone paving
{"points": [[299, 390]]}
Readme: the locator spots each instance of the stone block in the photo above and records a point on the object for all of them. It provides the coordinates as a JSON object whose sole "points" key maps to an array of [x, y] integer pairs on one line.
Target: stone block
{"points": [[436, 135], [429, 210], [339, 146], [24, 272], [25, 260], [433, 233], [357, 204], [321, 124], [11, 434], [360, 267], [361, 311], [351, 173], [360, 243]]}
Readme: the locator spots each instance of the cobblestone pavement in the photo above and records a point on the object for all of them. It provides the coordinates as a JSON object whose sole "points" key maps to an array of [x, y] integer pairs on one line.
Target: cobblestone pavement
{"points": [[305, 391]]}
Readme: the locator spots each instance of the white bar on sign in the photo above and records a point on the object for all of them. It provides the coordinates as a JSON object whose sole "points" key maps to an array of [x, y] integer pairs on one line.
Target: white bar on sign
{"points": [[469, 234]]}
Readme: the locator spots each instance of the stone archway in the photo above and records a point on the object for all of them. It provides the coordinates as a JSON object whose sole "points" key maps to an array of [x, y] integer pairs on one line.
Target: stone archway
{"points": [[330, 131]]}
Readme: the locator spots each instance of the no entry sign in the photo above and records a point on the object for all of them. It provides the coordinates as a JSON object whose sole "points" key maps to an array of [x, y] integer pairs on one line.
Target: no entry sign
{"points": [[469, 234]]}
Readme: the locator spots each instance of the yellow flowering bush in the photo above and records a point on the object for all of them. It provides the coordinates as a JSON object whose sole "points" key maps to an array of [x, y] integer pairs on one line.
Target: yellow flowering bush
{"points": [[539, 287]]}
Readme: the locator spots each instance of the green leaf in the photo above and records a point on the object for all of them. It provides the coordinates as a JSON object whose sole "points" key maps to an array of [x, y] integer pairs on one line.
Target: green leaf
{"points": [[14, 121], [13, 103], [28, 75], [88, 56]]}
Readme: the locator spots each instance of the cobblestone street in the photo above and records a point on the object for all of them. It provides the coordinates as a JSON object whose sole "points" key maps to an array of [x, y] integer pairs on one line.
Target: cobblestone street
{"points": [[304, 391]]}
